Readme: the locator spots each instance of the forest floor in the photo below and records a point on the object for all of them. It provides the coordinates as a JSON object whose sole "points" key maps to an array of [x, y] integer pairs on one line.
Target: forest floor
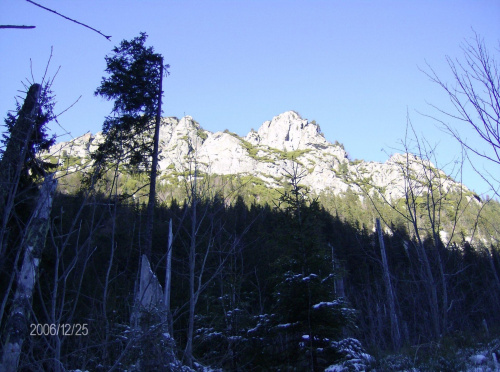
{"points": [[466, 353]]}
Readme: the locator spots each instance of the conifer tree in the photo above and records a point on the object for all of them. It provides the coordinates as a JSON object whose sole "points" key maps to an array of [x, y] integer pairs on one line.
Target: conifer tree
{"points": [[135, 84], [310, 315]]}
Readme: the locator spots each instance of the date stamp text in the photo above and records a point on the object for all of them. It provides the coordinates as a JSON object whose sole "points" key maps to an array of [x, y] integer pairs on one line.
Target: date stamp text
{"points": [[47, 329]]}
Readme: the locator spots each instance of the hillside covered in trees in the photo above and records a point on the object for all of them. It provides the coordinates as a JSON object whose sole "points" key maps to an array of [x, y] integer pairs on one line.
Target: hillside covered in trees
{"points": [[276, 288]]}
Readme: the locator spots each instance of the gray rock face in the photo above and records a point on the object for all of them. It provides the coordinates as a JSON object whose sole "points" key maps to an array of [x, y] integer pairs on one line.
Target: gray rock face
{"points": [[288, 131], [269, 153]]}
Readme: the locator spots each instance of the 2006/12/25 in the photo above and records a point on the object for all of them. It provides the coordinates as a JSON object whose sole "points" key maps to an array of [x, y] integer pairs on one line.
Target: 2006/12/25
{"points": [[46, 329]]}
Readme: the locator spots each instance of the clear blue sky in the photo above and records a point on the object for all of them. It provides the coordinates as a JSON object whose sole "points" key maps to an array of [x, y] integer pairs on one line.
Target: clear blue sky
{"points": [[353, 66]]}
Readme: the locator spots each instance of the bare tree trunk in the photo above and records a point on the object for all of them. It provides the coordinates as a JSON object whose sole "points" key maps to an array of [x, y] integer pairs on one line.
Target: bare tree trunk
{"points": [[192, 265], [9, 287], [431, 288], [198, 262], [106, 282], [411, 195], [338, 284], [436, 195], [395, 333], [17, 324], [168, 277], [154, 171], [489, 252], [444, 284]]}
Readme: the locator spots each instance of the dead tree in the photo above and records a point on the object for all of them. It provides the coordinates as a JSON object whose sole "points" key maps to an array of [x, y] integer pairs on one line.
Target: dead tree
{"points": [[427, 192], [34, 242], [168, 277], [13, 158], [475, 96], [204, 241], [395, 333]]}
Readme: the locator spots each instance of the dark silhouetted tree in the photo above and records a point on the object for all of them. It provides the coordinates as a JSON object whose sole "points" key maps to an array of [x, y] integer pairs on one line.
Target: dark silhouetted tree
{"points": [[134, 83], [25, 138]]}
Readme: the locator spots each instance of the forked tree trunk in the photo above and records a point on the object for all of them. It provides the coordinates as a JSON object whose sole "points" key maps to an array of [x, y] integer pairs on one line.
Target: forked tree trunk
{"points": [[34, 242]]}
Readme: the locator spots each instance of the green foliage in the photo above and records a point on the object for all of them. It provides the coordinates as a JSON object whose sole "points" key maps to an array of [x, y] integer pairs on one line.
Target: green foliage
{"points": [[202, 134], [343, 169], [309, 315], [133, 81], [71, 161], [349, 207], [252, 151], [272, 152], [255, 190], [294, 155], [51, 159], [288, 155], [341, 145], [475, 218]]}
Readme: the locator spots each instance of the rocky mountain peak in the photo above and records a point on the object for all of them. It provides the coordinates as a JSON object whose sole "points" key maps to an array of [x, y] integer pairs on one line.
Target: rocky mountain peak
{"points": [[188, 123], [289, 132]]}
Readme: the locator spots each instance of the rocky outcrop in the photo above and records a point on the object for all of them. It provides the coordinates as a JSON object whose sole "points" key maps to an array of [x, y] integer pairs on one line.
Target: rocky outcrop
{"points": [[80, 147], [280, 143], [288, 131]]}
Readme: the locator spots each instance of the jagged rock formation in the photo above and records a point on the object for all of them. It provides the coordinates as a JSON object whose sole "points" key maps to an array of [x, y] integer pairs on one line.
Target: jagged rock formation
{"points": [[268, 154]]}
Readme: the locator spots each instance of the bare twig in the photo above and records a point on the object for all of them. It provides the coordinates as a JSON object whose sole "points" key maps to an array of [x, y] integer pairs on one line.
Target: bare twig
{"points": [[69, 19], [14, 26], [66, 109], [475, 98]]}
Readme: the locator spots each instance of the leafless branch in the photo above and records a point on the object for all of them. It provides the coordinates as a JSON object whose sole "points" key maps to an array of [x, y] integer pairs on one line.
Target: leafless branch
{"points": [[69, 19], [14, 26], [475, 97], [70, 106]]}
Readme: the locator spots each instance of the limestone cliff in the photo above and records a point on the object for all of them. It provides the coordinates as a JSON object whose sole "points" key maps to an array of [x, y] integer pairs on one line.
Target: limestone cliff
{"points": [[285, 140]]}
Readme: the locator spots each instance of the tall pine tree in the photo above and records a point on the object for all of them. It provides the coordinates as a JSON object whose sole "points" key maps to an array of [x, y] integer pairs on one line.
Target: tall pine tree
{"points": [[135, 84]]}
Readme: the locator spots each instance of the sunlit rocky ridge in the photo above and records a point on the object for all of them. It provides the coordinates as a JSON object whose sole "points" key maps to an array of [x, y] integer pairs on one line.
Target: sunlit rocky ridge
{"points": [[270, 153]]}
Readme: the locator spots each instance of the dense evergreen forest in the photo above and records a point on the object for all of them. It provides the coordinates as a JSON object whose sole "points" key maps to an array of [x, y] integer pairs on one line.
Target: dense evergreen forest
{"points": [[276, 288]]}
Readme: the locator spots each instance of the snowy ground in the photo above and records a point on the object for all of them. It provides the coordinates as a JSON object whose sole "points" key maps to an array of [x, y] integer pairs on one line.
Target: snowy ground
{"points": [[481, 358]]}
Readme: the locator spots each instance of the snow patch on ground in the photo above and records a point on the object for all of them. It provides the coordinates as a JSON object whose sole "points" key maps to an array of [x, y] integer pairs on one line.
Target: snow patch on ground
{"points": [[326, 304]]}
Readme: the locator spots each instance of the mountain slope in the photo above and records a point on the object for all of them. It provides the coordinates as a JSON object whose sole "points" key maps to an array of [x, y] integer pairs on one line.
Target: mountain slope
{"points": [[268, 154]]}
